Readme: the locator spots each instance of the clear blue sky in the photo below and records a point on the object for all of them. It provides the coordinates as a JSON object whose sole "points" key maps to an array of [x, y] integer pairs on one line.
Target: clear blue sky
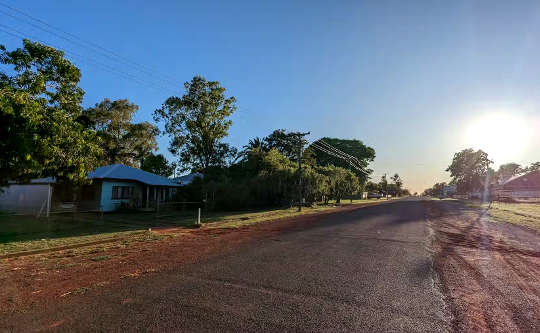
{"points": [[405, 77]]}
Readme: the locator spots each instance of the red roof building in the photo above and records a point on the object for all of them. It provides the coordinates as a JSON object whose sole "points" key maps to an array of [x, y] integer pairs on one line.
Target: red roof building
{"points": [[522, 188]]}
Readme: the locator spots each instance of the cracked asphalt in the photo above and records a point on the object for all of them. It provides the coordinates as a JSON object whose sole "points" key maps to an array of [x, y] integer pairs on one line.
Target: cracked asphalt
{"points": [[367, 269]]}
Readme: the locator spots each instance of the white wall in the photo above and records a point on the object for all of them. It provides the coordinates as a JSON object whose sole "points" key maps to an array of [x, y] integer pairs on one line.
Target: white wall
{"points": [[25, 199]]}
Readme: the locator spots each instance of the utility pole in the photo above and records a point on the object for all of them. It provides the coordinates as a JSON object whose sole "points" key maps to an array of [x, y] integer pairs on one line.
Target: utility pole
{"points": [[350, 168], [300, 147]]}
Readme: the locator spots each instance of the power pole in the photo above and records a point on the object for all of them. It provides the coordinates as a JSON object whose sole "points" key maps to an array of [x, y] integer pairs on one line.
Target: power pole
{"points": [[350, 168], [300, 147]]}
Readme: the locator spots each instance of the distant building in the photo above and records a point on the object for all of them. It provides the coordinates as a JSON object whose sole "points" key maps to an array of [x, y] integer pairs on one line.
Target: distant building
{"points": [[113, 186], [522, 188]]}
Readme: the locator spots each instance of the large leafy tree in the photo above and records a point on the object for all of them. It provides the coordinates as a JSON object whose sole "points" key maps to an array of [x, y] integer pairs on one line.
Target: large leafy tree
{"points": [[158, 164], [39, 102], [122, 140], [197, 123], [469, 170], [284, 142], [340, 182], [356, 148]]}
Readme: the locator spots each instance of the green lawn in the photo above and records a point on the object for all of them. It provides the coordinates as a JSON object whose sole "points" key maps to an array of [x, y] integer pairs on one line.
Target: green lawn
{"points": [[27, 233]]}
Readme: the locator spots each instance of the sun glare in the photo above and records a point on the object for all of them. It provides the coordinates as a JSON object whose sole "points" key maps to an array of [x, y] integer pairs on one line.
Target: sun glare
{"points": [[503, 136]]}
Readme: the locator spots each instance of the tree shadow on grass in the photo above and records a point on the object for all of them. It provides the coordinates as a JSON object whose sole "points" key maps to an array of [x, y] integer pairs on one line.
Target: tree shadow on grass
{"points": [[17, 228]]}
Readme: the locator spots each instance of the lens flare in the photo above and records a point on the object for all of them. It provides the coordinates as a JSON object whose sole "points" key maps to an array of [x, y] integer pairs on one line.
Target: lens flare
{"points": [[504, 136]]}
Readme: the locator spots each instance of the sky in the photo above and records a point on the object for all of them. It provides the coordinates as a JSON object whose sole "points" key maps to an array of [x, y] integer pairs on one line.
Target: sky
{"points": [[415, 80]]}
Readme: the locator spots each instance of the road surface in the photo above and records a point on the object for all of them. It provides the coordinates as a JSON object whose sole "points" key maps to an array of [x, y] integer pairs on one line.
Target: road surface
{"points": [[368, 269]]}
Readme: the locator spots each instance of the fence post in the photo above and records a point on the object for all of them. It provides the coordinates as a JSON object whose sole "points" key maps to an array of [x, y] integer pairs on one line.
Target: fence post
{"points": [[49, 189], [199, 217]]}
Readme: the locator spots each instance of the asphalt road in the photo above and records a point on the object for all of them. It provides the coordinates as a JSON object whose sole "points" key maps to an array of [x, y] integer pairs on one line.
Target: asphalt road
{"points": [[363, 270]]}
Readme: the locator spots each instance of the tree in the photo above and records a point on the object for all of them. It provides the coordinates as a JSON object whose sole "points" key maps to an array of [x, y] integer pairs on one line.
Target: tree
{"points": [[533, 167], [383, 184], [122, 141], [197, 122], [372, 187], [507, 171], [39, 102], [436, 191], [256, 143], [469, 169], [355, 148], [398, 184], [340, 182], [158, 164], [284, 142]]}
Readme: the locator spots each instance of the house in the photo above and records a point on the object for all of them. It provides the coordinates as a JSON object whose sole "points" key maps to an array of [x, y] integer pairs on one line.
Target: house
{"points": [[112, 187], [521, 188]]}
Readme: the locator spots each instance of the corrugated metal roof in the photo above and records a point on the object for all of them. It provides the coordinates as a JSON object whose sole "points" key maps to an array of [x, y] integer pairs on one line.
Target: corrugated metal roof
{"points": [[47, 180], [528, 180], [124, 172]]}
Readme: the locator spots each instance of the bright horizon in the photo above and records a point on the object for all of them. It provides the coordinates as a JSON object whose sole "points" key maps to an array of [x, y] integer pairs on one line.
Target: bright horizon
{"points": [[416, 81]]}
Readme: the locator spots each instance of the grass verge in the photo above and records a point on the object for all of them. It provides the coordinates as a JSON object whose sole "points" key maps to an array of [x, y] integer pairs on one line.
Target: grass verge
{"points": [[524, 214], [26, 233]]}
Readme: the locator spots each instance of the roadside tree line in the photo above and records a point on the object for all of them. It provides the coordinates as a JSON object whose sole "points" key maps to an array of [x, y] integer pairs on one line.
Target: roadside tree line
{"points": [[471, 172], [45, 131]]}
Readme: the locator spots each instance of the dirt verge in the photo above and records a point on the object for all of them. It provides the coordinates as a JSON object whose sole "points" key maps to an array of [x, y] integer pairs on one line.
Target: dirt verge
{"points": [[489, 273]]}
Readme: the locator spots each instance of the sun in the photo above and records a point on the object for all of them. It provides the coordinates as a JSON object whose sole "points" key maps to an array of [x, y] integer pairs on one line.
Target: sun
{"points": [[504, 136]]}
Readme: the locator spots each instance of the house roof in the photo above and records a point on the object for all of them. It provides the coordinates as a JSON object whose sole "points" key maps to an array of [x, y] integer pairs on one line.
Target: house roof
{"points": [[529, 180], [187, 179], [124, 172], [47, 180]]}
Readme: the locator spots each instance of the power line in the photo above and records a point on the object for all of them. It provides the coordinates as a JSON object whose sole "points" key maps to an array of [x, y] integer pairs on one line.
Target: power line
{"points": [[331, 150], [147, 69], [100, 65], [110, 55], [340, 151]]}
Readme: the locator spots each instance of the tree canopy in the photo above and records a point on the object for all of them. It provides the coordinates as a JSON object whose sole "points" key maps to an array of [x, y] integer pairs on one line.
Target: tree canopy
{"points": [[507, 171], [197, 123], [356, 148], [158, 165], [40, 101], [469, 169], [122, 141]]}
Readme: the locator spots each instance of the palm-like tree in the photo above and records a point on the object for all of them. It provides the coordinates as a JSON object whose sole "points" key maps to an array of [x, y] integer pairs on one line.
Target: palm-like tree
{"points": [[255, 143]]}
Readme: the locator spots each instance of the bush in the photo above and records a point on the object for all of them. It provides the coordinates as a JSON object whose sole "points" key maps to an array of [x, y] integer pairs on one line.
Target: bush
{"points": [[267, 179]]}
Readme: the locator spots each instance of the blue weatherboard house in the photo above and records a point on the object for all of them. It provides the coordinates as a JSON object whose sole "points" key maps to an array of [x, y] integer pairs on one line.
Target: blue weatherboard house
{"points": [[119, 185], [112, 187]]}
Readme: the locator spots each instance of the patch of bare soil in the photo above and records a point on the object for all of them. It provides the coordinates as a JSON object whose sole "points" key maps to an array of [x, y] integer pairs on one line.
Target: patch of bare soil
{"points": [[32, 280], [489, 273]]}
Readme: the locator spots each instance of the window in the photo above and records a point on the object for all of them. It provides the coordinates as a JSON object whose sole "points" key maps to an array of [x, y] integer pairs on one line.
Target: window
{"points": [[122, 192]]}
